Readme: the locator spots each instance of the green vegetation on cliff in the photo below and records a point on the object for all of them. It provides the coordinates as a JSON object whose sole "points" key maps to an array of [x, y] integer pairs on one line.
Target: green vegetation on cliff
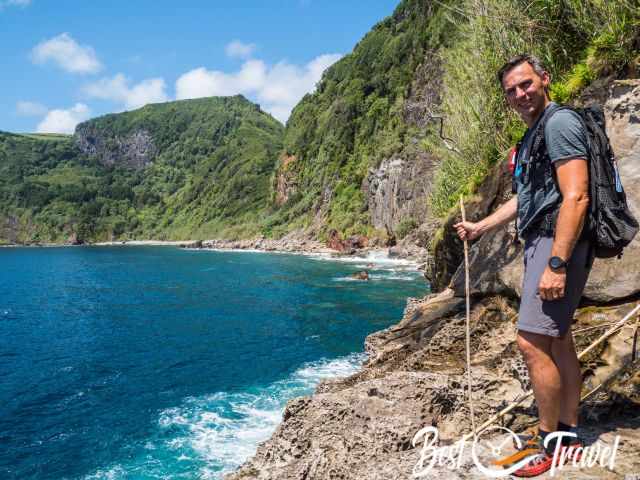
{"points": [[355, 118], [208, 174], [579, 41]]}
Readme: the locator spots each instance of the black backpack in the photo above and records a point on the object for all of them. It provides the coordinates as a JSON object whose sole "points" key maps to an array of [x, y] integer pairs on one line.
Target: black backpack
{"points": [[610, 224]]}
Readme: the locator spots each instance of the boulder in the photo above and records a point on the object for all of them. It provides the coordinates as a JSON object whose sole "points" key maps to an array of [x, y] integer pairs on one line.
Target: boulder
{"points": [[356, 242], [615, 278], [348, 245], [335, 241]]}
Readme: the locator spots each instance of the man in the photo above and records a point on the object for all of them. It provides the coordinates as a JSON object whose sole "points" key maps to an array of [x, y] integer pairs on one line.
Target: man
{"points": [[552, 186]]}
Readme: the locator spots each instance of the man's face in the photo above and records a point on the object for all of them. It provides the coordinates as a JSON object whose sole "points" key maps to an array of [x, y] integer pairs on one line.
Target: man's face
{"points": [[524, 90]]}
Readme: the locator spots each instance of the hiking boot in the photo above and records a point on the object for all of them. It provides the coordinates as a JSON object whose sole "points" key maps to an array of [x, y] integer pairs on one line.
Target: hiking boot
{"points": [[574, 449], [538, 465], [527, 438], [541, 460]]}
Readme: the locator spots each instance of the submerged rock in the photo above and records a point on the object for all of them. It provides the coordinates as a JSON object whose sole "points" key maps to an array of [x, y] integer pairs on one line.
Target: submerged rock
{"points": [[363, 275]]}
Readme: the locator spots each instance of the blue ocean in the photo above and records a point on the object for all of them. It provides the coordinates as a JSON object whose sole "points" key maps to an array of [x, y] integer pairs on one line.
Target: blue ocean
{"points": [[158, 362]]}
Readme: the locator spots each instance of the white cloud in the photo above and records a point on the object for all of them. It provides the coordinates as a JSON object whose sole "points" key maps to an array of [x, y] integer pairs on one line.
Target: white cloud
{"points": [[237, 49], [64, 121], [65, 52], [151, 90], [14, 3], [277, 88], [205, 83], [30, 109]]}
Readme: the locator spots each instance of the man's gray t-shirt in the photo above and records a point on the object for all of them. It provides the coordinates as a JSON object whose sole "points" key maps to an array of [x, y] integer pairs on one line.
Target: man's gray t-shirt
{"points": [[565, 138], [538, 194]]}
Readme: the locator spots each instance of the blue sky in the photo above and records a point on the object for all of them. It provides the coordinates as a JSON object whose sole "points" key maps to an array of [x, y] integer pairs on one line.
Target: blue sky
{"points": [[63, 61]]}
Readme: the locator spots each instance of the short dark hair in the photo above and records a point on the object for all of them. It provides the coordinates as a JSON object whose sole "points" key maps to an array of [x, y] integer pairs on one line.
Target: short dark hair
{"points": [[532, 60]]}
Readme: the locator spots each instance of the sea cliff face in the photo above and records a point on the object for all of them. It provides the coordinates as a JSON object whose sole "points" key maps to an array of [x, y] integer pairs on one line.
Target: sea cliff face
{"points": [[397, 190], [362, 427]]}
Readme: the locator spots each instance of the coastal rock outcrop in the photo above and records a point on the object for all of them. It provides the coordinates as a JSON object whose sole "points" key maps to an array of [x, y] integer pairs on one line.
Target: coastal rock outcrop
{"points": [[347, 245], [398, 189], [361, 275], [134, 150], [362, 427]]}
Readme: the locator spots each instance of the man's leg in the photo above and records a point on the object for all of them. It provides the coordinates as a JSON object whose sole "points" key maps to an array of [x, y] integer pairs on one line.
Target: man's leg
{"points": [[564, 355], [545, 377]]}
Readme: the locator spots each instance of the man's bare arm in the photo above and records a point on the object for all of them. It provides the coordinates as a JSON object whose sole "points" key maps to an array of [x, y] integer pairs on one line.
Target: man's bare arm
{"points": [[573, 181], [503, 215]]}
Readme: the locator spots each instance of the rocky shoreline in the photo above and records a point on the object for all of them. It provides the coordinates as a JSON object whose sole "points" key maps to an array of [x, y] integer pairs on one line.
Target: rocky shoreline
{"points": [[302, 246], [362, 427]]}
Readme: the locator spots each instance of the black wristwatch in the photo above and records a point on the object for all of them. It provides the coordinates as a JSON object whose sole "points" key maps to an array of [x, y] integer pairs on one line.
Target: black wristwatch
{"points": [[556, 263]]}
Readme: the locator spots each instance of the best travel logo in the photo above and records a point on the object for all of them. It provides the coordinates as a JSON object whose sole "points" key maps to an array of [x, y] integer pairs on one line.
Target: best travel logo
{"points": [[494, 443]]}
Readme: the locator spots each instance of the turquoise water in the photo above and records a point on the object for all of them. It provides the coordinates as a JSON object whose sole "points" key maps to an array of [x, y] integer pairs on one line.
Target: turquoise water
{"points": [[156, 362]]}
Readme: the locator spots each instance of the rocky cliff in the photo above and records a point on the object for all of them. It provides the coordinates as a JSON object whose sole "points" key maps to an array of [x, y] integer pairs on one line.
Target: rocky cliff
{"points": [[134, 150], [398, 189], [362, 427]]}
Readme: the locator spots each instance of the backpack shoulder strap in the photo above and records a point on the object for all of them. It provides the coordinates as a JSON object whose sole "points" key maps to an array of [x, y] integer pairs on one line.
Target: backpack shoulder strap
{"points": [[538, 140]]}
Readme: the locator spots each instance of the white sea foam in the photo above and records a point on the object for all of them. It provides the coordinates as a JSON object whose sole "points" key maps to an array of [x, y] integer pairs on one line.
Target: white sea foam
{"points": [[235, 250], [113, 473], [379, 258], [406, 277], [391, 274], [224, 429], [212, 435]]}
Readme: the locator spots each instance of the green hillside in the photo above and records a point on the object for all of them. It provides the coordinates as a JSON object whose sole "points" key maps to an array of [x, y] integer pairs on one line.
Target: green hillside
{"points": [[209, 174]]}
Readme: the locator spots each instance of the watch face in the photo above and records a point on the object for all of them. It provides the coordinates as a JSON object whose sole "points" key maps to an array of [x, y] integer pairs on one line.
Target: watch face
{"points": [[556, 262]]}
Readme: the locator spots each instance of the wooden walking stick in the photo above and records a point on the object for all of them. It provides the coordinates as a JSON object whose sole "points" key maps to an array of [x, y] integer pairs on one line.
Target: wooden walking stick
{"points": [[468, 321]]}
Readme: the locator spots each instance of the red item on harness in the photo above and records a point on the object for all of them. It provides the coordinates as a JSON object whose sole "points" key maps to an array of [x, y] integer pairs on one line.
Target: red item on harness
{"points": [[512, 159]]}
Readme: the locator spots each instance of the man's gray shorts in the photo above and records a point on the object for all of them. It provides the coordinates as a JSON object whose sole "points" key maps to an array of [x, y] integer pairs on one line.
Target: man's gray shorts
{"points": [[551, 317]]}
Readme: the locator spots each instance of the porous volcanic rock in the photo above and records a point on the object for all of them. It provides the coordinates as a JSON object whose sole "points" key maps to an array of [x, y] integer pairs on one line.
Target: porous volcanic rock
{"points": [[362, 426]]}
